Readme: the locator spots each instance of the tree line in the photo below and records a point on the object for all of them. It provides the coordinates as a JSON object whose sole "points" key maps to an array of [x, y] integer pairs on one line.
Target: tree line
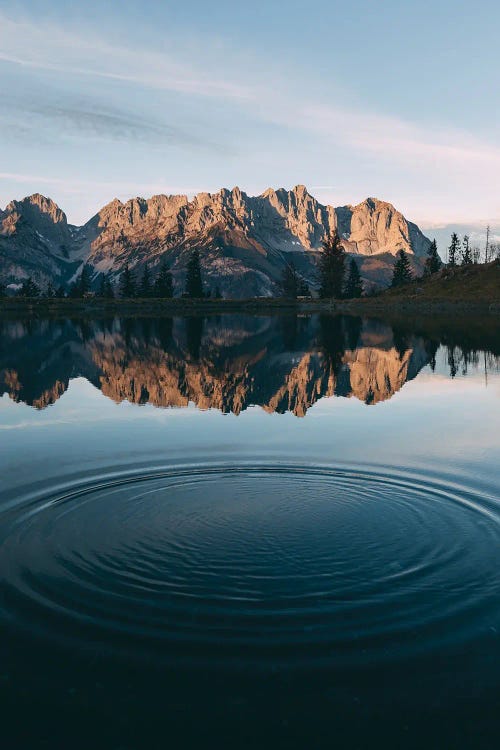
{"points": [[128, 287], [339, 276]]}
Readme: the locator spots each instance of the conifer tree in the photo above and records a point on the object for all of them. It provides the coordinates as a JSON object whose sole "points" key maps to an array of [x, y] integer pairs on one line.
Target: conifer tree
{"points": [[164, 285], [290, 282], [466, 251], [218, 294], [453, 250], [29, 289], [82, 285], [50, 291], [146, 288], [60, 292], [402, 270], [106, 287], [194, 284], [354, 285], [3, 290], [433, 261], [331, 267], [304, 290], [127, 283]]}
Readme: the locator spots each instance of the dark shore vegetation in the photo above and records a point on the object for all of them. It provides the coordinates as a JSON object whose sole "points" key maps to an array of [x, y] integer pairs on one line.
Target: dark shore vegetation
{"points": [[442, 290]]}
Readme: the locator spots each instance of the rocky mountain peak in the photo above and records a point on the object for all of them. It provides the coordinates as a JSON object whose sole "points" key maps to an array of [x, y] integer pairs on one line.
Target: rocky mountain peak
{"points": [[243, 240]]}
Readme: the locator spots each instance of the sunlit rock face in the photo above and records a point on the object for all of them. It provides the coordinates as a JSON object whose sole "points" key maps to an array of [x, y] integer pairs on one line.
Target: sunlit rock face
{"points": [[35, 240], [229, 364], [244, 241]]}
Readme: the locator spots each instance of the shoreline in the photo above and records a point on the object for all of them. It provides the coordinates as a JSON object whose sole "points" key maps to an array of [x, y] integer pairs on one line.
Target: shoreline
{"points": [[378, 306]]}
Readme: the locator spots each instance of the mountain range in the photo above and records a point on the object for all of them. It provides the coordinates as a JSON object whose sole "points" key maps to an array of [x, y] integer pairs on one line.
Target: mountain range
{"points": [[244, 241]]}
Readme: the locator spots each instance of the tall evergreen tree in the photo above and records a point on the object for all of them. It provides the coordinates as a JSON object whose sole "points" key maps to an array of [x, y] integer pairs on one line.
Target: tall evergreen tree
{"points": [[29, 289], [85, 280], [402, 270], [50, 291], [60, 292], [466, 251], [127, 283], [218, 293], [304, 290], [354, 285], [194, 284], [164, 285], [331, 267], [290, 282], [454, 250], [3, 290], [146, 287], [82, 285], [106, 287], [433, 261]]}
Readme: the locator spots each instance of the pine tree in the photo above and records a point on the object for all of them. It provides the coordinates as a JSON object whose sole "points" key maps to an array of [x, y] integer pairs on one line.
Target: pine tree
{"points": [[106, 287], [3, 290], [466, 251], [194, 284], [402, 270], [29, 289], [85, 280], [146, 288], [354, 285], [304, 290], [433, 261], [50, 292], [127, 283], [331, 267], [218, 293], [290, 281], [164, 286], [109, 292], [82, 285], [453, 250]]}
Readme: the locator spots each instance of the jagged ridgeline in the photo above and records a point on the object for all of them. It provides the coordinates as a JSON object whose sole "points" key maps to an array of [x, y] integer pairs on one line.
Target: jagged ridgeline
{"points": [[244, 242]]}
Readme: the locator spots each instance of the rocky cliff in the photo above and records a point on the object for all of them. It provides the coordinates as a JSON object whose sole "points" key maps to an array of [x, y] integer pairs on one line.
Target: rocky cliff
{"points": [[244, 241]]}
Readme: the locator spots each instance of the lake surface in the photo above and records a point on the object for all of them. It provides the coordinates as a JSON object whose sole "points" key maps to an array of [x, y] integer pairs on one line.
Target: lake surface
{"points": [[253, 531]]}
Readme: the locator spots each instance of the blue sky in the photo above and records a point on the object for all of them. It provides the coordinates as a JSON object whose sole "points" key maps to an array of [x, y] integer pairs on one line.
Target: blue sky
{"points": [[393, 99]]}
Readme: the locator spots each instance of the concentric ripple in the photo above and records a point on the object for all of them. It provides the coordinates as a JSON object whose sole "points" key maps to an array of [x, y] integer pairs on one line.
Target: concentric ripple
{"points": [[244, 564]]}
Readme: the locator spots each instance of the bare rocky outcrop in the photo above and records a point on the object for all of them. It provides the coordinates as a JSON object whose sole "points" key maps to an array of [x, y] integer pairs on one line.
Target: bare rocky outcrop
{"points": [[245, 241]]}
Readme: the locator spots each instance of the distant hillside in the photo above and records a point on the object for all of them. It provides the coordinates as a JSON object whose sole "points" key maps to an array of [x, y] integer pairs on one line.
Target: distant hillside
{"points": [[475, 283], [459, 291]]}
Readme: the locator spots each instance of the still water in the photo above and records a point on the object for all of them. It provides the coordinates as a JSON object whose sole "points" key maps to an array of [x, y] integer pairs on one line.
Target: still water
{"points": [[253, 531]]}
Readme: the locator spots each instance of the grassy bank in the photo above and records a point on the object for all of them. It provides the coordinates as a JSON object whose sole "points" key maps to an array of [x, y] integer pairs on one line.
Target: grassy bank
{"points": [[460, 290]]}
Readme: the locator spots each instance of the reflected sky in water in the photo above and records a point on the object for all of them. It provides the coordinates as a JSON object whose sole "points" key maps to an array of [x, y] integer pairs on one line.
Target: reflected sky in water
{"points": [[199, 515], [97, 394]]}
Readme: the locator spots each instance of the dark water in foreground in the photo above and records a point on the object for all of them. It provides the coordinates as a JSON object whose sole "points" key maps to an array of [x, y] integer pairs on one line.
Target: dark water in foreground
{"points": [[249, 532]]}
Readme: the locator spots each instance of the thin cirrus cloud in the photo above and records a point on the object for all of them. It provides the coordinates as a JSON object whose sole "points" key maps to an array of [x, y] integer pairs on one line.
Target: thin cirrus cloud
{"points": [[53, 49], [435, 172], [91, 120]]}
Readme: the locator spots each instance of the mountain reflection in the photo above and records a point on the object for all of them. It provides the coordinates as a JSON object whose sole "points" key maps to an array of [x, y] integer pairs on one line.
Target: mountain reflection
{"points": [[230, 362]]}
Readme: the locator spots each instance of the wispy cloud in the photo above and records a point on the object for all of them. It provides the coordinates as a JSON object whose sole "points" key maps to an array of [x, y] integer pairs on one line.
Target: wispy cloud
{"points": [[396, 137], [86, 119], [52, 48], [439, 171]]}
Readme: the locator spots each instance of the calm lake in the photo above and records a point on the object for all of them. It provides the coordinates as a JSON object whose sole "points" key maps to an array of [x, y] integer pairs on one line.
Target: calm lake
{"points": [[260, 531]]}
